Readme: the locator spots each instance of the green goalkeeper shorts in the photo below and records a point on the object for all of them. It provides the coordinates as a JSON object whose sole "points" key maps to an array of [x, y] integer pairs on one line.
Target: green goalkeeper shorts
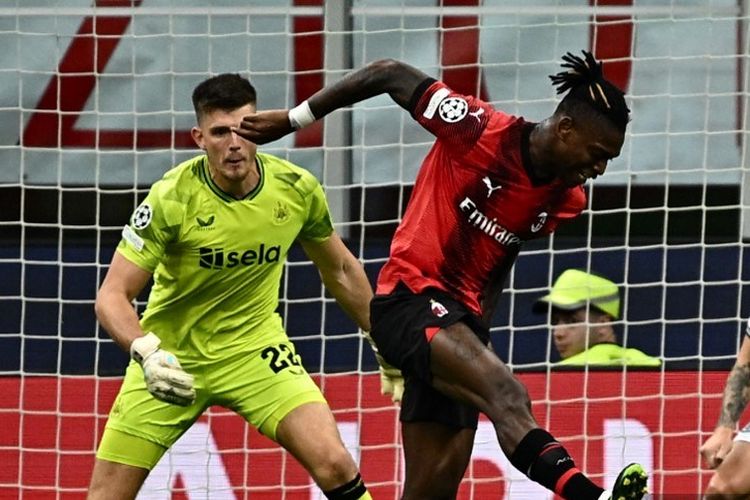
{"points": [[262, 386]]}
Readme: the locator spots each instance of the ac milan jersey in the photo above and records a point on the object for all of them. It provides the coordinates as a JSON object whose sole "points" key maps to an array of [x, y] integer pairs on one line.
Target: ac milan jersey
{"points": [[474, 202]]}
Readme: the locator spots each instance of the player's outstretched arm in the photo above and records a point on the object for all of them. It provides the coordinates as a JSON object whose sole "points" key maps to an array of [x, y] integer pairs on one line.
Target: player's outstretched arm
{"points": [[397, 79], [735, 399], [165, 378], [343, 276]]}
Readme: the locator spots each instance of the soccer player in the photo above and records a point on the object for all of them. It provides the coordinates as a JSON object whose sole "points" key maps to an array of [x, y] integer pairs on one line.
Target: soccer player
{"points": [[214, 233], [731, 478], [490, 182], [584, 307]]}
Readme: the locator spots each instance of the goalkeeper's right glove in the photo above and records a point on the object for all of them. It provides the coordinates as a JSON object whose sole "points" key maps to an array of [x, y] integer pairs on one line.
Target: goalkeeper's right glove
{"points": [[165, 378], [391, 379]]}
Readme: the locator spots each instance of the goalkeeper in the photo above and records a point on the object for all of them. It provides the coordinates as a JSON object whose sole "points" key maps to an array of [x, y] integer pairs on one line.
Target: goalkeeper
{"points": [[728, 456], [214, 233], [490, 182]]}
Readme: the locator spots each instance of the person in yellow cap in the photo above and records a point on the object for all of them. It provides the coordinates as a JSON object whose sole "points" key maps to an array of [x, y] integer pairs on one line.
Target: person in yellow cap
{"points": [[583, 308]]}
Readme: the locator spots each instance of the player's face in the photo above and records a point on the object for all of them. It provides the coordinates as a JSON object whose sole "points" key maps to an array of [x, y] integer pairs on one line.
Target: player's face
{"points": [[570, 332], [586, 150], [231, 157]]}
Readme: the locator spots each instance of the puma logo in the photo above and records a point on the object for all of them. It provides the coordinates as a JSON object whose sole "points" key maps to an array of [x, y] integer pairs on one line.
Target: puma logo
{"points": [[476, 114], [490, 187]]}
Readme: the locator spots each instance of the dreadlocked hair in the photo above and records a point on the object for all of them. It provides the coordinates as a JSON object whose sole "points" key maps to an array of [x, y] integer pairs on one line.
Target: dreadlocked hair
{"points": [[586, 85]]}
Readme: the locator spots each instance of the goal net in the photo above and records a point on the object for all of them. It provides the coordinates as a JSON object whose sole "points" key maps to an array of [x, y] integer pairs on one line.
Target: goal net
{"points": [[95, 107]]}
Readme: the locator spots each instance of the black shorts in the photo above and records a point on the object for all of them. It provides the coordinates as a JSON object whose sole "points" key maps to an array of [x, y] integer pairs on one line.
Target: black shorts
{"points": [[401, 324]]}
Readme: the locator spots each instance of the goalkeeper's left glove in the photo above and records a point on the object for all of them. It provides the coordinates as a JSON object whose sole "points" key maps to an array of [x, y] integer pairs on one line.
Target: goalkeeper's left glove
{"points": [[391, 379], [165, 378]]}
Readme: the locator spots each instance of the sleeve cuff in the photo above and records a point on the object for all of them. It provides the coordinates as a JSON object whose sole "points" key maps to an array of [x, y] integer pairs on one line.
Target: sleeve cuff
{"points": [[421, 89]]}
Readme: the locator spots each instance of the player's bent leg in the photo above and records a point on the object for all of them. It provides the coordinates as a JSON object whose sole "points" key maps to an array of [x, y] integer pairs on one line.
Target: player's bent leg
{"points": [[122, 464], [470, 371], [436, 458], [731, 479], [115, 481], [286, 405], [310, 434]]}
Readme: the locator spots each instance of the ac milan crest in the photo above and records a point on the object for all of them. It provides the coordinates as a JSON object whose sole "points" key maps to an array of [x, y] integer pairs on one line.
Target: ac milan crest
{"points": [[437, 308]]}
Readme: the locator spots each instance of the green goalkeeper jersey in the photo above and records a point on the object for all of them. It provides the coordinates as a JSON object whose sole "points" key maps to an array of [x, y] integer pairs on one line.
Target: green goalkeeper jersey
{"points": [[217, 261]]}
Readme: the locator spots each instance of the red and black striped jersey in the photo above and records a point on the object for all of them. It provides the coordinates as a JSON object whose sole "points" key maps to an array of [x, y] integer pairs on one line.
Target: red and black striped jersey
{"points": [[474, 201]]}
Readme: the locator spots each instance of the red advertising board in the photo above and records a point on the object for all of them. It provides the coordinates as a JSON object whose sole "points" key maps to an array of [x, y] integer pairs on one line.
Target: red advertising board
{"points": [[51, 425]]}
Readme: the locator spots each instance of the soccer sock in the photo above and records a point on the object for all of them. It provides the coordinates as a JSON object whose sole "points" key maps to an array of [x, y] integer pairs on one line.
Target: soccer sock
{"points": [[353, 490], [547, 462]]}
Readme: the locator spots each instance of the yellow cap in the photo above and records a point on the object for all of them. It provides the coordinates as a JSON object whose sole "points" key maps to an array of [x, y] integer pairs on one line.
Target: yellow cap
{"points": [[574, 289]]}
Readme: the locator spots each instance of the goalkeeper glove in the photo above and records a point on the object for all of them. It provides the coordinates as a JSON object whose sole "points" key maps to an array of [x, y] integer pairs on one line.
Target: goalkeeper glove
{"points": [[391, 379], [165, 378]]}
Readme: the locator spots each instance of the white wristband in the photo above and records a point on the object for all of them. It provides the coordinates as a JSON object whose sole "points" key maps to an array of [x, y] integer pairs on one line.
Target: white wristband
{"points": [[301, 116], [142, 347]]}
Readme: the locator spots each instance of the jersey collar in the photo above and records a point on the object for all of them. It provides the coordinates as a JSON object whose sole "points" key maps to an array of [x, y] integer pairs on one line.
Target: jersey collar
{"points": [[528, 166], [206, 175]]}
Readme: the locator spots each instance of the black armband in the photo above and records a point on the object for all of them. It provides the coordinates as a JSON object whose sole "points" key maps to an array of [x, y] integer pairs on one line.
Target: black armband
{"points": [[417, 94]]}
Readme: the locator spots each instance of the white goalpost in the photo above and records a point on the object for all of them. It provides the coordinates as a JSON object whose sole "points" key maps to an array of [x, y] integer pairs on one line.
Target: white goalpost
{"points": [[95, 107]]}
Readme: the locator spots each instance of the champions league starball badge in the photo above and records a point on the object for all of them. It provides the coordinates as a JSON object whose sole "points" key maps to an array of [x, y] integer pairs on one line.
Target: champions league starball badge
{"points": [[142, 216], [453, 109]]}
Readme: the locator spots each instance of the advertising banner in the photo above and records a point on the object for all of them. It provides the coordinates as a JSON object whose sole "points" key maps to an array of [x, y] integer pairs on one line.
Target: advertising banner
{"points": [[51, 426]]}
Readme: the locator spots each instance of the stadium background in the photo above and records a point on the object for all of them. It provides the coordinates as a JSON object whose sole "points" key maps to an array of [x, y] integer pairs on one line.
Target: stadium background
{"points": [[95, 106]]}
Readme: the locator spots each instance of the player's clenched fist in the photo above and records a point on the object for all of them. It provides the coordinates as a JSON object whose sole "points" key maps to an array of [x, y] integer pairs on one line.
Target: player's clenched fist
{"points": [[165, 378], [717, 446]]}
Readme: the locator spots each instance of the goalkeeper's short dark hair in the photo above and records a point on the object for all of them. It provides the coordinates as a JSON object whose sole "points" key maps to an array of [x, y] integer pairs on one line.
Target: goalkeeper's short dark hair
{"points": [[227, 91], [588, 90]]}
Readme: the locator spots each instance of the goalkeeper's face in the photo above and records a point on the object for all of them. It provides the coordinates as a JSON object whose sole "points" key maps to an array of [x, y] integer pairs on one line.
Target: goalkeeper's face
{"points": [[230, 156]]}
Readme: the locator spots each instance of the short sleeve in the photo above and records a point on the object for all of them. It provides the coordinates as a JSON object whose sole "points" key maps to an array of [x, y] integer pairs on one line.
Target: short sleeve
{"points": [[153, 224], [572, 202], [455, 119], [318, 225]]}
